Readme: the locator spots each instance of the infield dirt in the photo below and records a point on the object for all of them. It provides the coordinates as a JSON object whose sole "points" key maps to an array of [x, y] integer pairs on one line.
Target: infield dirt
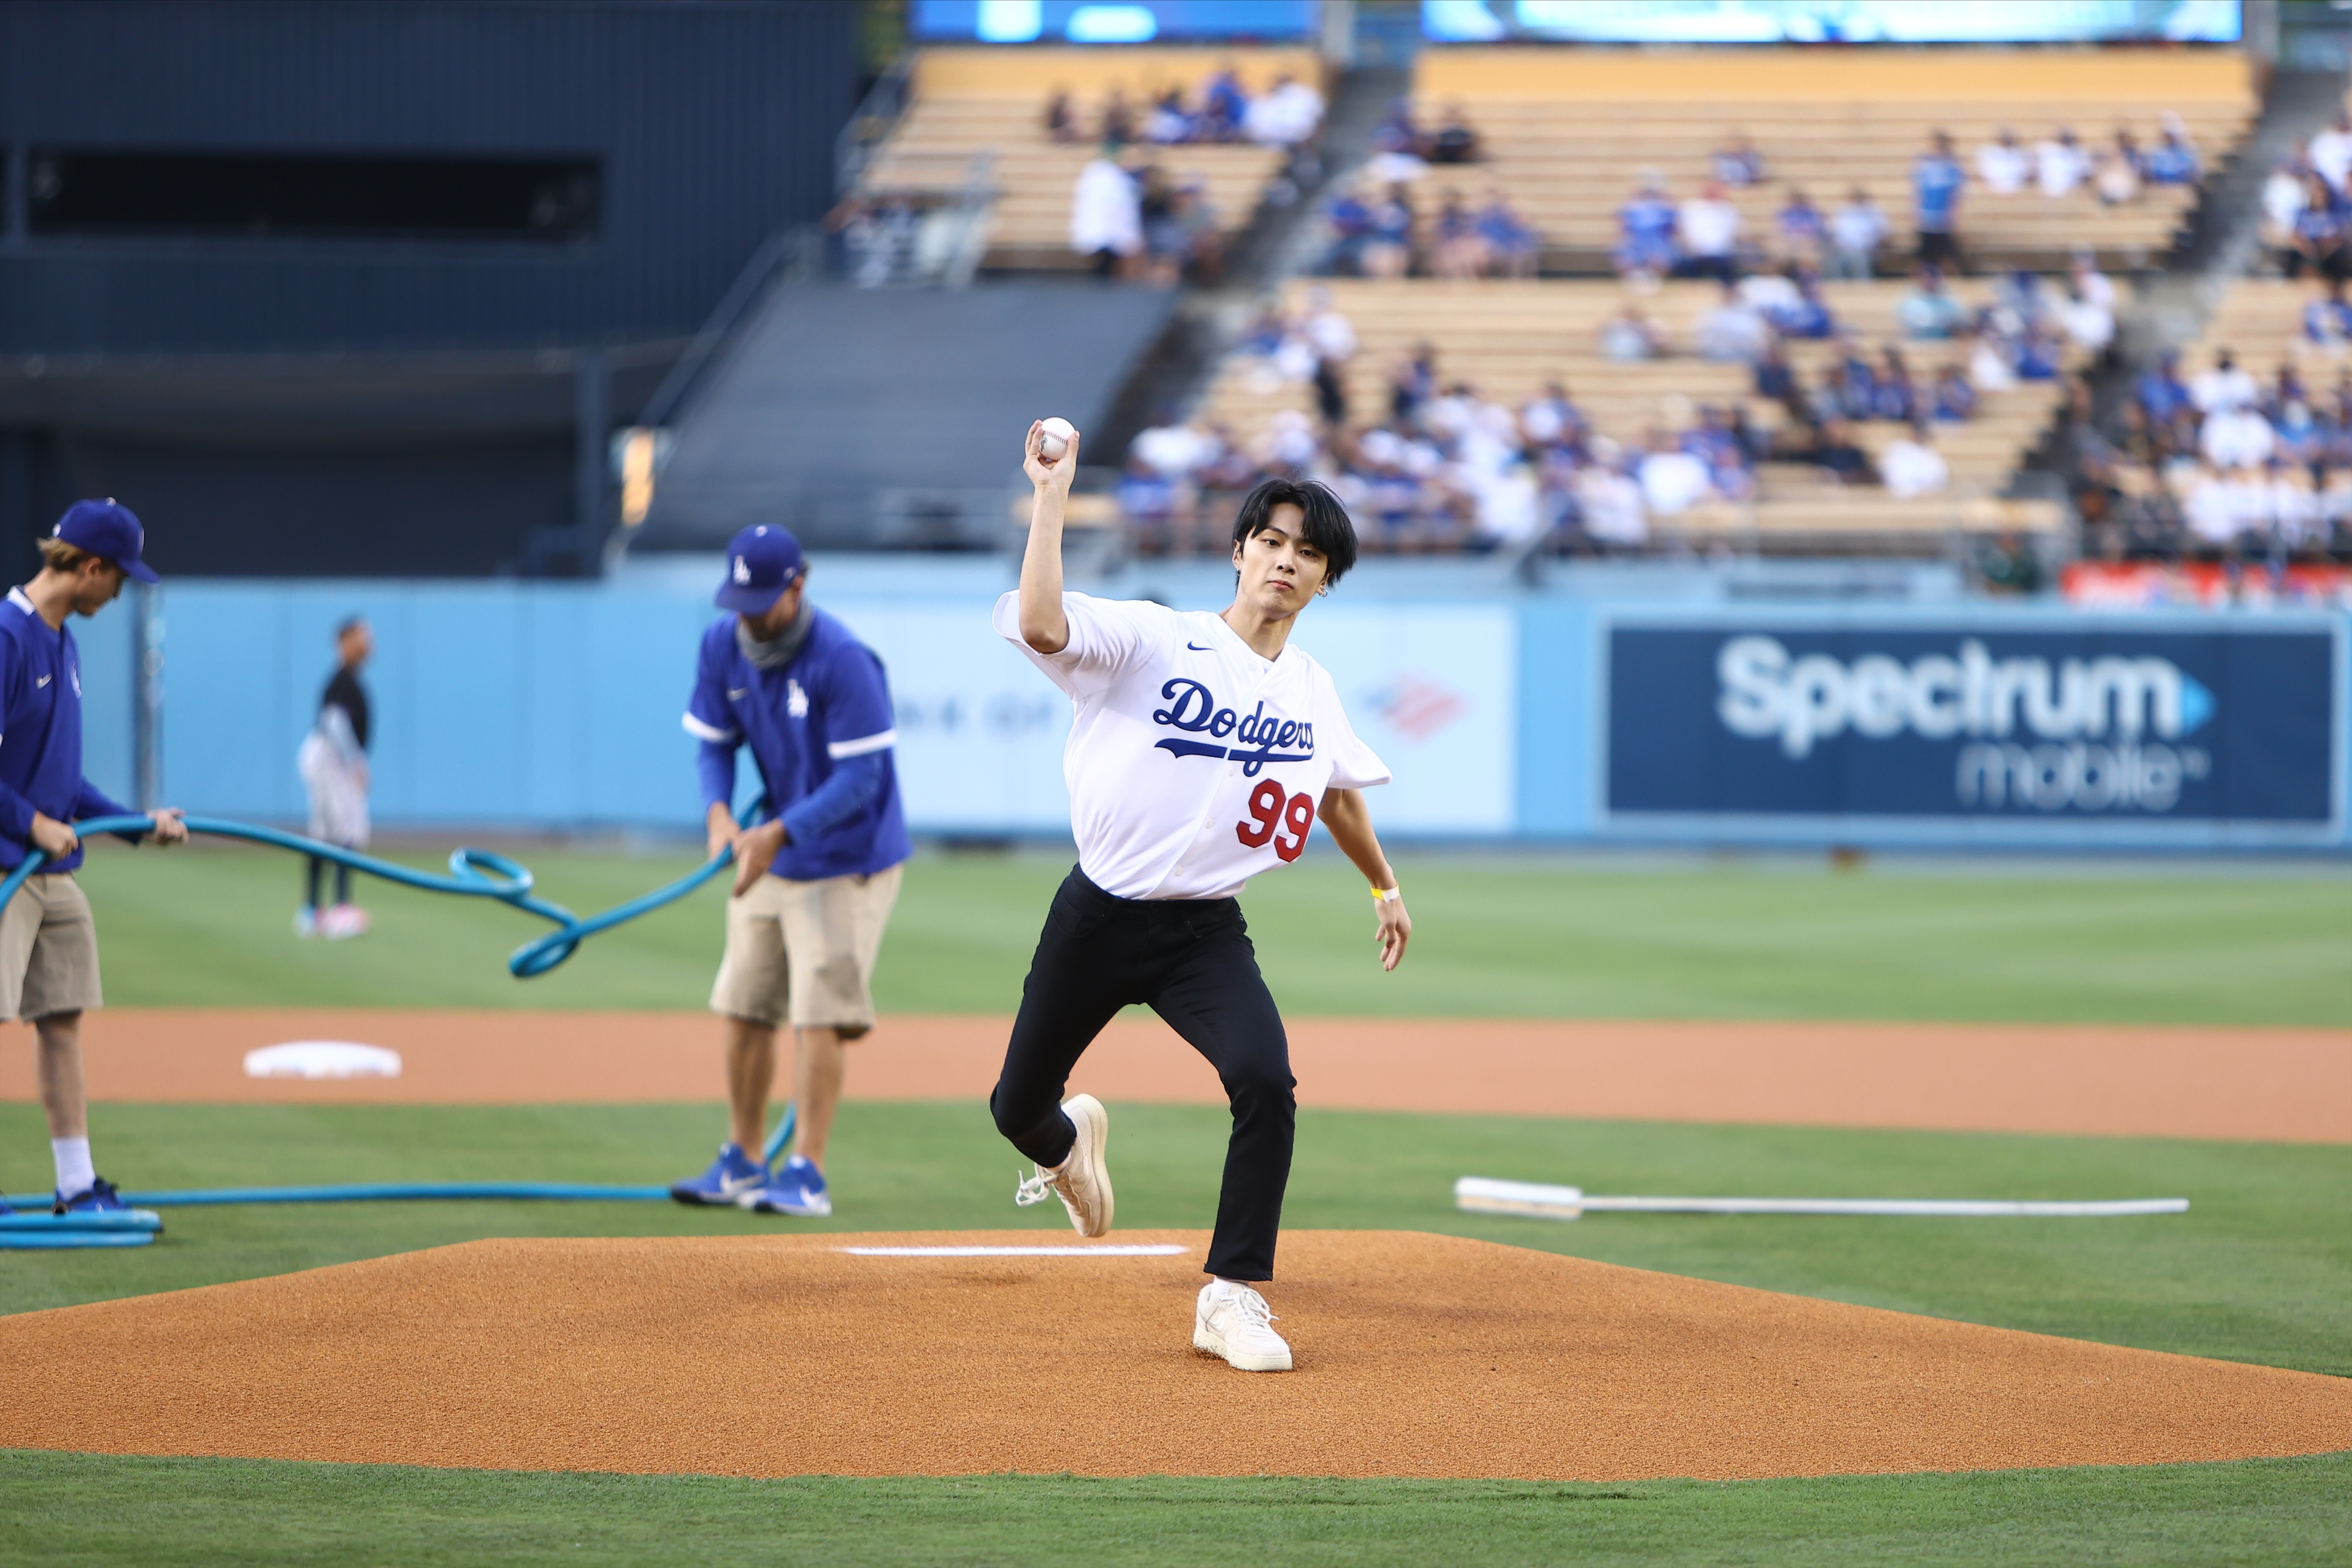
{"points": [[2251, 1083], [1418, 1355]]}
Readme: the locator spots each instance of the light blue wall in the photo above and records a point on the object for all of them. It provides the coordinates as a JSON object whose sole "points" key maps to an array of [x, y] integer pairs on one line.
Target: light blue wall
{"points": [[540, 705], [105, 642], [1555, 714], [556, 705]]}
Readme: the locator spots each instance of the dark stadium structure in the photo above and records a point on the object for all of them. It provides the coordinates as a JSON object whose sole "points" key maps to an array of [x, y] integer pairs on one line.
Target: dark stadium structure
{"points": [[362, 288]]}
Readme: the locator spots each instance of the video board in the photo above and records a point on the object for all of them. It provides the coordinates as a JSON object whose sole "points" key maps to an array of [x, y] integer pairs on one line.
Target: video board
{"points": [[1831, 21], [1112, 21]]}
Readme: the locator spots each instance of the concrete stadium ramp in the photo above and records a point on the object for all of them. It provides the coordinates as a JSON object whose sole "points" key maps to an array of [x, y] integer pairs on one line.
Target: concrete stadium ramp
{"points": [[892, 416]]}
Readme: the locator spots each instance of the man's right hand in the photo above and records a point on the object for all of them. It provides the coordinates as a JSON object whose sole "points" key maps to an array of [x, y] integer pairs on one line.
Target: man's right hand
{"points": [[1052, 475], [53, 838], [721, 829]]}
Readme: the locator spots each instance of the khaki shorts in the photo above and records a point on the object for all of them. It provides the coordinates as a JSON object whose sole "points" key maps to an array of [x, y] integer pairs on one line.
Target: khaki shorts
{"points": [[49, 950], [805, 951]]}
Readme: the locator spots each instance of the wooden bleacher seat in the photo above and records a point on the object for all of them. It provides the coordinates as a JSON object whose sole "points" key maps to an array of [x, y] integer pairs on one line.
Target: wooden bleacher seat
{"points": [[992, 100], [1508, 338], [1568, 133]]}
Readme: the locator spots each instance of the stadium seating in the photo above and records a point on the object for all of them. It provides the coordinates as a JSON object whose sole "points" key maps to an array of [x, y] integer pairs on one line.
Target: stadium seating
{"points": [[2260, 320], [1569, 133], [974, 100], [1508, 338]]}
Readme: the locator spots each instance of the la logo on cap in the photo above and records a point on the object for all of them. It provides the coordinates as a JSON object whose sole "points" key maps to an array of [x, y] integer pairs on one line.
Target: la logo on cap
{"points": [[742, 569]]}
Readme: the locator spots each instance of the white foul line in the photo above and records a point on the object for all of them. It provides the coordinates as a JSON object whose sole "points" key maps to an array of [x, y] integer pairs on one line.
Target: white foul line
{"points": [[1154, 1249], [1483, 1195]]}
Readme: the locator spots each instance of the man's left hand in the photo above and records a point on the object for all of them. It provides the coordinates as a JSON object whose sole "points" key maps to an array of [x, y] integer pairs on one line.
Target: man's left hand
{"points": [[169, 827], [755, 852], [1395, 931]]}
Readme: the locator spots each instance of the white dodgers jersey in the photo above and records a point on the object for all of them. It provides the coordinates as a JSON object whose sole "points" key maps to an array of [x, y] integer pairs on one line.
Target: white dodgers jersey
{"points": [[1194, 764]]}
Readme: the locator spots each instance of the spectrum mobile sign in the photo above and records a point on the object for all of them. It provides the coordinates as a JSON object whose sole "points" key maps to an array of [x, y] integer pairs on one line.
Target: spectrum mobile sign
{"points": [[1792, 721]]}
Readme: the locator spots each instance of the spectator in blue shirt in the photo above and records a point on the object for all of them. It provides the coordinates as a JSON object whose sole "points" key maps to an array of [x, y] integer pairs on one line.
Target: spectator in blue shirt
{"points": [[1510, 244], [1351, 226], [814, 882], [1955, 401], [1810, 316], [2160, 390], [1736, 162], [1936, 181], [2318, 241], [1645, 228], [2328, 322], [1803, 230], [2172, 161], [48, 945], [1223, 105], [1855, 384]]}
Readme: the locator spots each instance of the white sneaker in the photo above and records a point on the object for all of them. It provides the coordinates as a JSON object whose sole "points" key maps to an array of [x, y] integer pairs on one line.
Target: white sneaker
{"points": [[305, 921], [343, 922], [1082, 1181], [1234, 1322]]}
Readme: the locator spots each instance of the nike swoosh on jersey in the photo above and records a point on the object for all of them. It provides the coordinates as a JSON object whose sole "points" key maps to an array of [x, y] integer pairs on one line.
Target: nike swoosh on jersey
{"points": [[1198, 649], [737, 693], [42, 681], [1252, 759]]}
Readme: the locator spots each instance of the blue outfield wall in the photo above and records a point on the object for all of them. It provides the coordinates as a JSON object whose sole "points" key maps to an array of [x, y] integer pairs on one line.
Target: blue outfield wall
{"points": [[556, 705]]}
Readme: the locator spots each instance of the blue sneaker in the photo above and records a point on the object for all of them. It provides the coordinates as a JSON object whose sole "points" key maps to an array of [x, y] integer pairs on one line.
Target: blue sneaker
{"points": [[731, 1176], [798, 1188], [100, 1195]]}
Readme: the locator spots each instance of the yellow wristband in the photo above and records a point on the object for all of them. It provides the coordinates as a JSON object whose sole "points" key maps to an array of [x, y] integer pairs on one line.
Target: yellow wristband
{"points": [[1387, 896]]}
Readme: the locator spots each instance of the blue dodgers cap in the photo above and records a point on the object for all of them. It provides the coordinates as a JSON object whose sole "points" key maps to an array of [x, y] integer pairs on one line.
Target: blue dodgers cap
{"points": [[762, 562], [108, 531]]}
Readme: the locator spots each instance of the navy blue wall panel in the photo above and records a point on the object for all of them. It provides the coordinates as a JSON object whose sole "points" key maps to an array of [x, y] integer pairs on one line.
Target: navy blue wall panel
{"points": [[714, 122]]}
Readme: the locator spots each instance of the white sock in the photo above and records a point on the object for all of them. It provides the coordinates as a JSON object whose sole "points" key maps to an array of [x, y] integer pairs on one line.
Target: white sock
{"points": [[75, 1172]]}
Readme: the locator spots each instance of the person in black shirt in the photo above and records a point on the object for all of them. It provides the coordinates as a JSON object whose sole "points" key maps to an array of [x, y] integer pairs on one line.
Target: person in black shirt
{"points": [[333, 762]]}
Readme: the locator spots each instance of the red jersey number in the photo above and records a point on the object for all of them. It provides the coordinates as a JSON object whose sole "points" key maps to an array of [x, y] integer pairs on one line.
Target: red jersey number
{"points": [[1270, 814]]}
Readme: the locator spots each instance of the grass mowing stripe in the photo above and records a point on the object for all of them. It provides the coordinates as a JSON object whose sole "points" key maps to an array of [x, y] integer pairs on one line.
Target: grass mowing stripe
{"points": [[208, 926], [59, 1510], [2258, 1270]]}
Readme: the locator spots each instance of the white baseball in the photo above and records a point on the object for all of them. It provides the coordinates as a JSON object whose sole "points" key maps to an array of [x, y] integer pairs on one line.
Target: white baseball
{"points": [[1053, 438]]}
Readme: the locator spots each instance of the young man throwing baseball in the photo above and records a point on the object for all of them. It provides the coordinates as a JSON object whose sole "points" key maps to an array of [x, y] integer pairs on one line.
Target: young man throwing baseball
{"points": [[815, 883], [48, 944], [1202, 750]]}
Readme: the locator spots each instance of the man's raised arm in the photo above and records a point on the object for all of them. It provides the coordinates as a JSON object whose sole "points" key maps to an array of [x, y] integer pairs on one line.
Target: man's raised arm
{"points": [[1043, 625]]}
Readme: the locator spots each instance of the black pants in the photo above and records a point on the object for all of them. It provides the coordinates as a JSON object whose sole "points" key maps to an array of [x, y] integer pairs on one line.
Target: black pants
{"points": [[314, 870], [1191, 961]]}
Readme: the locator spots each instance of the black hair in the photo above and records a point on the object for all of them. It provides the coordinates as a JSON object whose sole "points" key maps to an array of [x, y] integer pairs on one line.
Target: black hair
{"points": [[1327, 527], [349, 624]]}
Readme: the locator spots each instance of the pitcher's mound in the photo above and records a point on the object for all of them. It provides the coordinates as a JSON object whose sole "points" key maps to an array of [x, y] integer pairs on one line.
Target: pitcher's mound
{"points": [[1418, 1355]]}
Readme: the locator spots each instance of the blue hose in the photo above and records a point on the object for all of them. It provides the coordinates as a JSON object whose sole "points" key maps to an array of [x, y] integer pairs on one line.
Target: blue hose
{"points": [[36, 1217], [382, 1192], [57, 1241], [472, 873]]}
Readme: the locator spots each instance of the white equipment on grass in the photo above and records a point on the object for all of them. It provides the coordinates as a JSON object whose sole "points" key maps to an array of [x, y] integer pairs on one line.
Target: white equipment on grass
{"points": [[1534, 1200]]}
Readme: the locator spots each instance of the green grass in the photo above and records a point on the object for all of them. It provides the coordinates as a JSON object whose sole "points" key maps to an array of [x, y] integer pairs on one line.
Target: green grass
{"points": [[1550, 939], [2259, 1270], [89, 1510]]}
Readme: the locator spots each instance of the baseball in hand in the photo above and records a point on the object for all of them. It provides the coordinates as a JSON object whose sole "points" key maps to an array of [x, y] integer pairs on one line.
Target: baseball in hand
{"points": [[1053, 438]]}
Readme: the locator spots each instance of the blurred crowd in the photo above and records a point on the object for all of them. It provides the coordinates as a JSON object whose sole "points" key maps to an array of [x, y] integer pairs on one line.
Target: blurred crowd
{"points": [[1442, 466], [1287, 114], [1131, 218], [1380, 230], [2307, 205], [2217, 462]]}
